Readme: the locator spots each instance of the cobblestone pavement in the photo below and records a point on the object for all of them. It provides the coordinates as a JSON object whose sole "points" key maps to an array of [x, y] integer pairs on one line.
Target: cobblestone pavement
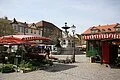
{"points": [[81, 70]]}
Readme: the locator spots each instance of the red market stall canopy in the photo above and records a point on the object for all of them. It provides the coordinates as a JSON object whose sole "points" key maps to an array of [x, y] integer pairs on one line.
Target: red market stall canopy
{"points": [[11, 40], [20, 39], [101, 36]]}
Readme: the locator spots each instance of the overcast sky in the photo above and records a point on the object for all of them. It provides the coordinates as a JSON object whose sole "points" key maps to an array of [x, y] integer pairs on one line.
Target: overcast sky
{"points": [[82, 13]]}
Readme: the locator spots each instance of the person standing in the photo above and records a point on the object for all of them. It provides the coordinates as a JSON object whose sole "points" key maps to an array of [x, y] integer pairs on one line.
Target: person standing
{"points": [[47, 51]]}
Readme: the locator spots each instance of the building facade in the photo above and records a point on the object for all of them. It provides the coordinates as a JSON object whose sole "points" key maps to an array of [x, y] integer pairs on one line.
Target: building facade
{"points": [[42, 29], [103, 41], [49, 30]]}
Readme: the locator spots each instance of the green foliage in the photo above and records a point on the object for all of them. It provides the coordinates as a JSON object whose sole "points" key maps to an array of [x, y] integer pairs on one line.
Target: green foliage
{"points": [[6, 27], [36, 63], [6, 68], [0, 67], [118, 61], [24, 64], [41, 63]]}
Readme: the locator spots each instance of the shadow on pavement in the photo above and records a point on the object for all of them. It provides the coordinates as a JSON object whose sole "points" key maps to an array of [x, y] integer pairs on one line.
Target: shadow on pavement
{"points": [[59, 67], [112, 66]]}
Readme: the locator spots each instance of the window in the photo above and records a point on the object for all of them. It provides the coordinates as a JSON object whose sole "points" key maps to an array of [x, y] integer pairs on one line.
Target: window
{"points": [[41, 29], [69, 43], [34, 31], [26, 30], [15, 27], [94, 31], [18, 29], [117, 29], [31, 30], [44, 29], [22, 29], [103, 30], [109, 29]]}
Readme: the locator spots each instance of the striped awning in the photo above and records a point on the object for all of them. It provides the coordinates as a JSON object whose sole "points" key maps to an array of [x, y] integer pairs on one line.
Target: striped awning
{"points": [[28, 37], [34, 38], [20, 39], [101, 36]]}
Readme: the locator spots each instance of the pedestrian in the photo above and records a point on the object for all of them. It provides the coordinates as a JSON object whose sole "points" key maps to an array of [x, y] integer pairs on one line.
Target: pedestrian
{"points": [[47, 51]]}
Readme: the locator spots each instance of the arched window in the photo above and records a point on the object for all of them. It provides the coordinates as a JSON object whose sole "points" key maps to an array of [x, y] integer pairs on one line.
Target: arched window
{"points": [[69, 42]]}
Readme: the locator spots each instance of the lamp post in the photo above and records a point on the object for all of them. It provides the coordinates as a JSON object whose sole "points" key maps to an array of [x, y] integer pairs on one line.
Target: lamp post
{"points": [[73, 30]]}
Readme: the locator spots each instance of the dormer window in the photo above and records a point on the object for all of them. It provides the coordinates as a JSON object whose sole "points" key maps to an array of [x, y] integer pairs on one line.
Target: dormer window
{"points": [[117, 28], [109, 29], [94, 30], [103, 30]]}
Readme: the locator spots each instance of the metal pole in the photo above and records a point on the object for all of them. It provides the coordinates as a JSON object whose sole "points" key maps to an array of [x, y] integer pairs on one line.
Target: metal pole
{"points": [[24, 30], [73, 47]]}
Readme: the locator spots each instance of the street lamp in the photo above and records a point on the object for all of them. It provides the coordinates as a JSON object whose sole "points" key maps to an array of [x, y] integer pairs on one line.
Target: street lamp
{"points": [[73, 30]]}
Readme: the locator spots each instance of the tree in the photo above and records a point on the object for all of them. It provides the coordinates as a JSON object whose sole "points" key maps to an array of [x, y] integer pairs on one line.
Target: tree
{"points": [[6, 28]]}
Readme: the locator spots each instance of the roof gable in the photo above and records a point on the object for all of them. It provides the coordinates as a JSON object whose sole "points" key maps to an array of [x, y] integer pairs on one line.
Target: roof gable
{"points": [[117, 26]]}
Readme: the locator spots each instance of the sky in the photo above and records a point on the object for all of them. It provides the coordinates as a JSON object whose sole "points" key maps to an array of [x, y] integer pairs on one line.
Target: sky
{"points": [[82, 13]]}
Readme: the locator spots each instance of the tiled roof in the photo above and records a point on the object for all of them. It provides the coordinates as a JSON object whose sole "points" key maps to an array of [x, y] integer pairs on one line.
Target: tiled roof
{"points": [[40, 24], [101, 28], [45, 23]]}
